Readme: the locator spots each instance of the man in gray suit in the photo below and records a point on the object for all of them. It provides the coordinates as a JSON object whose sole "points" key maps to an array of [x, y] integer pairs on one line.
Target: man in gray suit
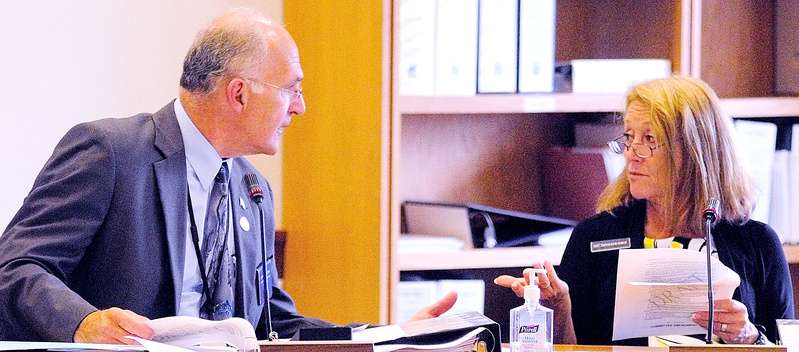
{"points": [[103, 241]]}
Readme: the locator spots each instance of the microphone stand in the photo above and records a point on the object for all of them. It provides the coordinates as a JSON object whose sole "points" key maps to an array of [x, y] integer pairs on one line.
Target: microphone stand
{"points": [[709, 247], [709, 215], [257, 196]]}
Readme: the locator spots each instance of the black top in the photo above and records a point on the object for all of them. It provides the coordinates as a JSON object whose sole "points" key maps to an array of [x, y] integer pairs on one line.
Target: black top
{"points": [[752, 250]]}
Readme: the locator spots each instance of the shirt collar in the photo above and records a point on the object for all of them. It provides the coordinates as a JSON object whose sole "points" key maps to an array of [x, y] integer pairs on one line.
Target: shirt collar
{"points": [[200, 154]]}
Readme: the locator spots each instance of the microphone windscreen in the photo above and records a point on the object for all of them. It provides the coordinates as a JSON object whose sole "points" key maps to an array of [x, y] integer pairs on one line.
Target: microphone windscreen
{"points": [[256, 194], [711, 211]]}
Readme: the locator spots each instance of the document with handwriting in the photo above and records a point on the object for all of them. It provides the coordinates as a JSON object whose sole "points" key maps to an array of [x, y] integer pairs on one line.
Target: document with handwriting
{"points": [[657, 291]]}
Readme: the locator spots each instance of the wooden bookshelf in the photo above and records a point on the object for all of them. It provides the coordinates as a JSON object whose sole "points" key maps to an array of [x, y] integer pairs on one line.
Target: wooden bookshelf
{"points": [[362, 149]]}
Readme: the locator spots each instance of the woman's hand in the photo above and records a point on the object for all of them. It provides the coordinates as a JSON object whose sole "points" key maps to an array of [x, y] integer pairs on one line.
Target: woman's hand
{"points": [[553, 289], [730, 322], [554, 294]]}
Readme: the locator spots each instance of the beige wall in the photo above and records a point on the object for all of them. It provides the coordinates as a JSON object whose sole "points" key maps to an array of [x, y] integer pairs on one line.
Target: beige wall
{"points": [[64, 62]]}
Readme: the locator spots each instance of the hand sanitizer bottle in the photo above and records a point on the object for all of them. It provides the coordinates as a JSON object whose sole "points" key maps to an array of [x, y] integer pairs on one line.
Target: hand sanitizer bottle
{"points": [[531, 324]]}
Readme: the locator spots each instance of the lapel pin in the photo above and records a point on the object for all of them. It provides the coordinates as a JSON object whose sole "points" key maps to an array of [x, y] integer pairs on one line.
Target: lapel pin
{"points": [[245, 225]]}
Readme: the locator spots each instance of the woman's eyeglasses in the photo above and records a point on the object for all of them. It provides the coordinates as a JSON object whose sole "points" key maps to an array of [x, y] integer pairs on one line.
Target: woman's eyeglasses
{"points": [[625, 141]]}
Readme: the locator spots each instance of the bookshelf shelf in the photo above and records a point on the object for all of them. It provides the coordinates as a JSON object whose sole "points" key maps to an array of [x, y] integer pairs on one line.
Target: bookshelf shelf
{"points": [[576, 103], [762, 107], [506, 257], [512, 103]]}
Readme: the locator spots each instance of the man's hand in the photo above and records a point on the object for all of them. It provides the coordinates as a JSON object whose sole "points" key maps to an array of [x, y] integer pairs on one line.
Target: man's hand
{"points": [[438, 308], [112, 325]]}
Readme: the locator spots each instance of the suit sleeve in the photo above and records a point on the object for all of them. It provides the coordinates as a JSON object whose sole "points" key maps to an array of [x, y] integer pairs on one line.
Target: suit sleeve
{"points": [[49, 235]]}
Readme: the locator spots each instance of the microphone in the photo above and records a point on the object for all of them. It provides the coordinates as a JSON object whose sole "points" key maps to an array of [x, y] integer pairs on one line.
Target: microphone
{"points": [[710, 214], [257, 196], [711, 211]]}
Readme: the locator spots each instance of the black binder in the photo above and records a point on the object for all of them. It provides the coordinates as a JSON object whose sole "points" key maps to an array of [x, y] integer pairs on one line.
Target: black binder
{"points": [[494, 227]]}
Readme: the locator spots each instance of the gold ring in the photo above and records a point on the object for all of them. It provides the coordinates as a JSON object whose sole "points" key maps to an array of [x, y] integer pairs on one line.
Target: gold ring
{"points": [[549, 283]]}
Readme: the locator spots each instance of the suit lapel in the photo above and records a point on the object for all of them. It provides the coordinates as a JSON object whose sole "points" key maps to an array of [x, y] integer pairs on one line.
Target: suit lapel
{"points": [[170, 174]]}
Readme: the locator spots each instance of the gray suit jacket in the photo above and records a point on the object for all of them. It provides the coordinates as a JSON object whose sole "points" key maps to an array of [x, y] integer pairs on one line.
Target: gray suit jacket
{"points": [[105, 226]]}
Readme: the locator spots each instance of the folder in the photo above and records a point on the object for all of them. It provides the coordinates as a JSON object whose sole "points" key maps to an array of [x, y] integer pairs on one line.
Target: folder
{"points": [[497, 46], [793, 173], [756, 147], [417, 27], [536, 46], [456, 47]]}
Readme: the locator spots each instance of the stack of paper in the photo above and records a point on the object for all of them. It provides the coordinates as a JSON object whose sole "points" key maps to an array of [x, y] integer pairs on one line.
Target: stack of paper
{"points": [[659, 289], [615, 75], [428, 244]]}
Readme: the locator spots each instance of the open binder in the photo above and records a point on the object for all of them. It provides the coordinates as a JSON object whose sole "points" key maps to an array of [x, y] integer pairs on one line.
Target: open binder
{"points": [[449, 328], [451, 333], [480, 226]]}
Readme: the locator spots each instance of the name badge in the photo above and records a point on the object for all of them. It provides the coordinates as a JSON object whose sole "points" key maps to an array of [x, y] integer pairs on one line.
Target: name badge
{"points": [[264, 280], [271, 270], [260, 283], [610, 245]]}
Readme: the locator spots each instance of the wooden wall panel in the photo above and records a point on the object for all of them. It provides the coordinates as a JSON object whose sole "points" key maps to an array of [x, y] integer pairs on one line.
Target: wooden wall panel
{"points": [[333, 162]]}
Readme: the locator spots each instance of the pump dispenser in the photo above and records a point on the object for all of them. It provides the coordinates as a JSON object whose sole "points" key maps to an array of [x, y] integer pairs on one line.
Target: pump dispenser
{"points": [[531, 323]]}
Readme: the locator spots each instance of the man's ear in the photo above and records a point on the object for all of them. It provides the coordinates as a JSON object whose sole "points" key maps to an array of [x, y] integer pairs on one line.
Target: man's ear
{"points": [[236, 94]]}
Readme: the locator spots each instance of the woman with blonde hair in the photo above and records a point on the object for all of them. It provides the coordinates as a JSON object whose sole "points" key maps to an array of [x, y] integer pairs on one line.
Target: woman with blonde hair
{"points": [[679, 153]]}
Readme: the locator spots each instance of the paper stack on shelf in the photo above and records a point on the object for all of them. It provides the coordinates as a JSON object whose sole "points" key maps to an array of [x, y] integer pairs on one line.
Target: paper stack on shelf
{"points": [[610, 75], [409, 243]]}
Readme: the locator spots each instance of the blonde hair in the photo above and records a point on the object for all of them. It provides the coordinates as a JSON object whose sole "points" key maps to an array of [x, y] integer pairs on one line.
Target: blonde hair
{"points": [[685, 115]]}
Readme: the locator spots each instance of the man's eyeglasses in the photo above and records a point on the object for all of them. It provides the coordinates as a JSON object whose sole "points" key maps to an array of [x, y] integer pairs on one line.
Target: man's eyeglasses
{"points": [[294, 94], [625, 141]]}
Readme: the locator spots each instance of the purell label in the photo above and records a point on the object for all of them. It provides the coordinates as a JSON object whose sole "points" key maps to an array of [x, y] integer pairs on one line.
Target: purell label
{"points": [[528, 329]]}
